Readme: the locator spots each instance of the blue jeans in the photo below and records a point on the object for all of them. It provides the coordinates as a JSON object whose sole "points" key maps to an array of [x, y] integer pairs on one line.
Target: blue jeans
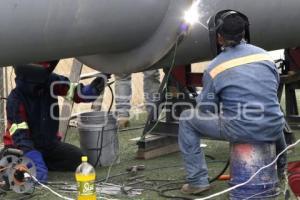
{"points": [[123, 91], [194, 125]]}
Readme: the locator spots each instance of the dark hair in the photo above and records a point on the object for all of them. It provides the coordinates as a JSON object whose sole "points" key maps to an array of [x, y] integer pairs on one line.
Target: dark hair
{"points": [[233, 29]]}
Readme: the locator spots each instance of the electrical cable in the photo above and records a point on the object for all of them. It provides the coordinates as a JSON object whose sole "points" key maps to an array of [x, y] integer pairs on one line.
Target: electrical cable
{"points": [[48, 188], [172, 65], [221, 173], [132, 129], [110, 167], [253, 176], [260, 193], [163, 192], [102, 130]]}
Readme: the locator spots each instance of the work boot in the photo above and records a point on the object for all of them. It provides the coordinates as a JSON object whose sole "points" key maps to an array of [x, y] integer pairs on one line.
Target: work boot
{"points": [[123, 122], [192, 190]]}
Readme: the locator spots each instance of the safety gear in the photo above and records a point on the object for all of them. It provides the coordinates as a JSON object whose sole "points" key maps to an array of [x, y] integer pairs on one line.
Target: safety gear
{"points": [[35, 73], [215, 26], [238, 62], [40, 112], [32, 73], [97, 85], [41, 168], [193, 190], [89, 91], [71, 91], [14, 127]]}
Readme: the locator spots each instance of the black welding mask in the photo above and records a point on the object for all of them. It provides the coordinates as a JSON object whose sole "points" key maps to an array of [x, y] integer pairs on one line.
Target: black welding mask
{"points": [[215, 26], [32, 78]]}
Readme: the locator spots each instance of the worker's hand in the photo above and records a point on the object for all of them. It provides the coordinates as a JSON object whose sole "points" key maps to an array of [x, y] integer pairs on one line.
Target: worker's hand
{"points": [[98, 84], [95, 88], [108, 76], [41, 168]]}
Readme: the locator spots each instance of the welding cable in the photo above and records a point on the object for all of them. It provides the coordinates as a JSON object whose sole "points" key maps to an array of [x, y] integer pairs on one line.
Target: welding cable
{"points": [[172, 65], [162, 192], [102, 130], [100, 135], [156, 168], [72, 117], [221, 173], [253, 176]]}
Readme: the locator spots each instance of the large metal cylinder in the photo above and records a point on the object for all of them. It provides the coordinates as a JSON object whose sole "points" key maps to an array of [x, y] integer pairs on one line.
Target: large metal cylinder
{"points": [[130, 35], [273, 25], [35, 30]]}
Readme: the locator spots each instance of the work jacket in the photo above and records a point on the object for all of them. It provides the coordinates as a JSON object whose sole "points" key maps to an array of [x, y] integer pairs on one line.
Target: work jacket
{"points": [[33, 112], [241, 86]]}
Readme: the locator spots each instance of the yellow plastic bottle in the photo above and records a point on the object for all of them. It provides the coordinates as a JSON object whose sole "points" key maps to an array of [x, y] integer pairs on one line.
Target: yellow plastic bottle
{"points": [[85, 176]]}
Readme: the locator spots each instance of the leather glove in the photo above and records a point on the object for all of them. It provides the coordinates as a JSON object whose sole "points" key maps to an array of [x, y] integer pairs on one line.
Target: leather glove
{"points": [[41, 168], [98, 84], [108, 76]]}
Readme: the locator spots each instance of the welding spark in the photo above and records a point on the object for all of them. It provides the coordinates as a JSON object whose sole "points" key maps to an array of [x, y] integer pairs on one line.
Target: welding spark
{"points": [[192, 15]]}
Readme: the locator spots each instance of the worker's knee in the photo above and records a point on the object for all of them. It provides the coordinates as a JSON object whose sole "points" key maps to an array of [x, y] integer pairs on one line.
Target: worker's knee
{"points": [[186, 131], [186, 117]]}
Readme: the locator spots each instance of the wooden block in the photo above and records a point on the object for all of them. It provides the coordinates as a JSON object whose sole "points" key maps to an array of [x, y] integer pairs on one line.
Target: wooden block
{"points": [[154, 153]]}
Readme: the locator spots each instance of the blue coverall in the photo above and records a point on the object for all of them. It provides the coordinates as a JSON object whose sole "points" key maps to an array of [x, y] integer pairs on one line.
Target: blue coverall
{"points": [[33, 113], [239, 104]]}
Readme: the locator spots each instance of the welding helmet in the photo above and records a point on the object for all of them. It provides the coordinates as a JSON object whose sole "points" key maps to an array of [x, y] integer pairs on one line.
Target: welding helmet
{"points": [[32, 79], [215, 26], [36, 73]]}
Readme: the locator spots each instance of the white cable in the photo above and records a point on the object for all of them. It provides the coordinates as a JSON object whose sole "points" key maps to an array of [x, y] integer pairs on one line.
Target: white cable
{"points": [[48, 188], [260, 193], [250, 179], [110, 167]]}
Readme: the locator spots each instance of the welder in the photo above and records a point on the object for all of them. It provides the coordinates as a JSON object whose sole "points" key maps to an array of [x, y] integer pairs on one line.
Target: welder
{"points": [[33, 116], [238, 102]]}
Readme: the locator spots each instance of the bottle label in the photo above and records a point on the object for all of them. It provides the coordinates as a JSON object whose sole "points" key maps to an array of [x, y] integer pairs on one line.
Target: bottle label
{"points": [[86, 188]]}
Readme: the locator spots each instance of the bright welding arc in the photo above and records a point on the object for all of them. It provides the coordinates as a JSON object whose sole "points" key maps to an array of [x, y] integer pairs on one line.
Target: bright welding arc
{"points": [[192, 15]]}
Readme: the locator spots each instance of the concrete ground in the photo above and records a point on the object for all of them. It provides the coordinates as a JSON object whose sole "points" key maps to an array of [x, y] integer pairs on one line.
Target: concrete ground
{"points": [[159, 171]]}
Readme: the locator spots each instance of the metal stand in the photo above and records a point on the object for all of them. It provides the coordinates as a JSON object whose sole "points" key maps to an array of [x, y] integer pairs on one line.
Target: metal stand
{"points": [[180, 88]]}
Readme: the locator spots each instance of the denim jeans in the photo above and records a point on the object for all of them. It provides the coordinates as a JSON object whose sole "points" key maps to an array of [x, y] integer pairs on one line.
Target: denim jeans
{"points": [[123, 90], [194, 125]]}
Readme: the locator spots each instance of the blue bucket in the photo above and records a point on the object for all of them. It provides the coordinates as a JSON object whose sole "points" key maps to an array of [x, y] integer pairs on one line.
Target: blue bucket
{"points": [[247, 159]]}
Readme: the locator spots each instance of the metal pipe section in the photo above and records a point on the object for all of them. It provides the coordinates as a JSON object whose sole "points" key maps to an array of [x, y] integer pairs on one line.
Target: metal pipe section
{"points": [[130, 35], [35, 30], [273, 26]]}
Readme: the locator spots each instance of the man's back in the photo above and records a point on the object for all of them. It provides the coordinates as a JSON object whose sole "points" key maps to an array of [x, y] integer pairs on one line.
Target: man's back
{"points": [[248, 95]]}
